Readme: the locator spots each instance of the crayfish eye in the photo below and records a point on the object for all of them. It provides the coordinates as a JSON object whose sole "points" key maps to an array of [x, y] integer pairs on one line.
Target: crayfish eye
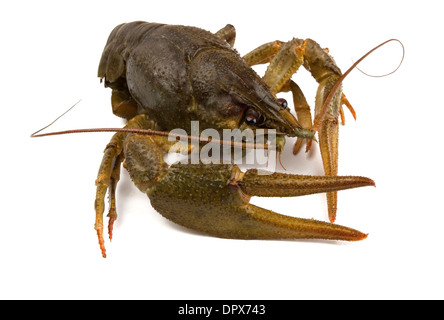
{"points": [[252, 117], [282, 102]]}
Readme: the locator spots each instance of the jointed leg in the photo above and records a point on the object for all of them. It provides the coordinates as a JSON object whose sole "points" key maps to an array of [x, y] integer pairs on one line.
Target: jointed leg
{"points": [[263, 54], [108, 177], [302, 111], [115, 177], [228, 33], [285, 59], [345, 102]]}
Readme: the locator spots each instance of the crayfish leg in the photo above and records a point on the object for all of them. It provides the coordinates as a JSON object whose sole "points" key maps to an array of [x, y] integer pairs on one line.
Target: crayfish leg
{"points": [[345, 102], [228, 33], [263, 54], [303, 112], [115, 177], [284, 64], [328, 144], [103, 182], [107, 179]]}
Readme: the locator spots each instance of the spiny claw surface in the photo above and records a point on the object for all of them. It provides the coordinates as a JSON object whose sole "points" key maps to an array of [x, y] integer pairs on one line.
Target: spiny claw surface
{"points": [[223, 207]]}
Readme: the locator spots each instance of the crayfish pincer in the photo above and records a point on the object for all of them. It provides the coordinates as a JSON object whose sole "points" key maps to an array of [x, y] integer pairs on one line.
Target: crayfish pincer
{"points": [[167, 77]]}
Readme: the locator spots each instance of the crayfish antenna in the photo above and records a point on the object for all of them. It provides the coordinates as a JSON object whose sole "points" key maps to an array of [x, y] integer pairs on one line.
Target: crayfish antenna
{"points": [[320, 117]]}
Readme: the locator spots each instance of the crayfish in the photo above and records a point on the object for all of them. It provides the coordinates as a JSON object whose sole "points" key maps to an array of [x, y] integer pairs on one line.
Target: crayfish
{"points": [[165, 77]]}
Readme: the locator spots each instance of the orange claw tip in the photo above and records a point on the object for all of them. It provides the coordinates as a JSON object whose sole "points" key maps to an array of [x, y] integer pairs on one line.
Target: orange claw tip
{"points": [[357, 236], [365, 181], [101, 241], [102, 249], [360, 236], [349, 234]]}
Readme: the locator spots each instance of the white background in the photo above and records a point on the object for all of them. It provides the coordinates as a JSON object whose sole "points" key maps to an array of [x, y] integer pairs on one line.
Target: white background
{"points": [[48, 248]]}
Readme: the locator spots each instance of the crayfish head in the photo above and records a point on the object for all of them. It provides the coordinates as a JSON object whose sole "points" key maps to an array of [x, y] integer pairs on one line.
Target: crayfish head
{"points": [[229, 94]]}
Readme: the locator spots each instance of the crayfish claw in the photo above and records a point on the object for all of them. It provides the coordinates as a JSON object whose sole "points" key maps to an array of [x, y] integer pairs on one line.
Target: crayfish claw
{"points": [[279, 184], [223, 209], [272, 225]]}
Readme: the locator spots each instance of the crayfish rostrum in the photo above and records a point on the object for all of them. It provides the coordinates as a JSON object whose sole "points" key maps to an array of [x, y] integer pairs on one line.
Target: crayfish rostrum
{"points": [[163, 77]]}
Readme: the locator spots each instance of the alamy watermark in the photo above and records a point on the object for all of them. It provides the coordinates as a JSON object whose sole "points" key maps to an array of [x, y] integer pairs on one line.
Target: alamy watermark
{"points": [[236, 146]]}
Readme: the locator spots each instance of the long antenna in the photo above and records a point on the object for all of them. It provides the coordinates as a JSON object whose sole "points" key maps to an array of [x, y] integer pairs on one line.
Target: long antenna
{"points": [[243, 145], [35, 134], [327, 101]]}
